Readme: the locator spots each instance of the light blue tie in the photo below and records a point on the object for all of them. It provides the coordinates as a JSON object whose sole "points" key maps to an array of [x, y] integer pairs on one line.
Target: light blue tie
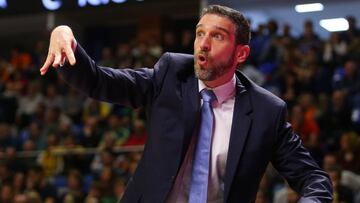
{"points": [[200, 168]]}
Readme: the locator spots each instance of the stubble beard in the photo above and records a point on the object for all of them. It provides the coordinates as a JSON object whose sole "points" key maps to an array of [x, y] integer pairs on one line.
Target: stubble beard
{"points": [[214, 69]]}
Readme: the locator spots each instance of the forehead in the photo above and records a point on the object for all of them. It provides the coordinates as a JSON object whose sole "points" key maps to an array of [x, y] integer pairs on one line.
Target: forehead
{"points": [[214, 21]]}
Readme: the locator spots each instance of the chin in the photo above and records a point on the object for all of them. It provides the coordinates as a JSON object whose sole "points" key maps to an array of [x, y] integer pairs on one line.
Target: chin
{"points": [[204, 75]]}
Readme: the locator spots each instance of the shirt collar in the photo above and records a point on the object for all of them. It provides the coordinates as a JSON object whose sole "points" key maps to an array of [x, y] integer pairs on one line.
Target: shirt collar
{"points": [[222, 92]]}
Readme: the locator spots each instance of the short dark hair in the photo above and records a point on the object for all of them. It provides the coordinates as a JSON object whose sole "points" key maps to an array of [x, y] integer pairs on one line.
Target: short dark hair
{"points": [[242, 31]]}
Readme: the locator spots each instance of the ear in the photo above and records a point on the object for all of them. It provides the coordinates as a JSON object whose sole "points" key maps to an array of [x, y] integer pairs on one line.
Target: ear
{"points": [[242, 53]]}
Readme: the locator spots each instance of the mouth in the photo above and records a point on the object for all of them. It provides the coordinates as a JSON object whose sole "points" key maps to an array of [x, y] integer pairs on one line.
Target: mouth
{"points": [[202, 59]]}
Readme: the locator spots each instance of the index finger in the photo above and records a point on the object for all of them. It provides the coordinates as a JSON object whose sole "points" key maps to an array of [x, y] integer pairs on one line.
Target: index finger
{"points": [[48, 62]]}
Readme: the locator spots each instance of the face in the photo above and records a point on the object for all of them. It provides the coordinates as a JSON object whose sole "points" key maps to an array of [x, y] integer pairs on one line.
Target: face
{"points": [[216, 54]]}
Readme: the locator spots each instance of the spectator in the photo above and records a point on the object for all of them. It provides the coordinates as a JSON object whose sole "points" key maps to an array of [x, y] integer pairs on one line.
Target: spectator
{"points": [[307, 126], [6, 137], [74, 191], [138, 135], [108, 140], [107, 58], [106, 158], [187, 38], [20, 59], [73, 158], [335, 120], [119, 188], [33, 132], [123, 56], [289, 88], [119, 125], [349, 79], [353, 32], [29, 102], [72, 105], [18, 183], [142, 56], [286, 195], [169, 42], [52, 98], [94, 194], [90, 135], [37, 183], [341, 193], [106, 179], [270, 52], [308, 39], [334, 51], [52, 163], [12, 162], [6, 193], [349, 156]]}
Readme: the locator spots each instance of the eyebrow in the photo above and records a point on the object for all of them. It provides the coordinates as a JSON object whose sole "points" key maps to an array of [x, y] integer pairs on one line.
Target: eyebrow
{"points": [[217, 27]]}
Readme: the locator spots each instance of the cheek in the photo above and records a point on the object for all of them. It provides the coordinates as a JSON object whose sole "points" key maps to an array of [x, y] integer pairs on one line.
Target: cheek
{"points": [[196, 44], [222, 51]]}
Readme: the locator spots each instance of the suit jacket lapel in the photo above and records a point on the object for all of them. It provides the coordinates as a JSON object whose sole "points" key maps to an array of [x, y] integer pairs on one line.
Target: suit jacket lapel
{"points": [[191, 108], [239, 131]]}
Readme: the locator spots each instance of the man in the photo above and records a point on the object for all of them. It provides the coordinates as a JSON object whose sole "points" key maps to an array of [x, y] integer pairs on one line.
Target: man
{"points": [[248, 128]]}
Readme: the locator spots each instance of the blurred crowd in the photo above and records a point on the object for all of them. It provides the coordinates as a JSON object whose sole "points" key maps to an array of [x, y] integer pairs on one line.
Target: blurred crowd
{"points": [[58, 146]]}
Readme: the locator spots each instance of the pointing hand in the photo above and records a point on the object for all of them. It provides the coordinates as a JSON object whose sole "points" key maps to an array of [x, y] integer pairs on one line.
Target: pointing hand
{"points": [[62, 47]]}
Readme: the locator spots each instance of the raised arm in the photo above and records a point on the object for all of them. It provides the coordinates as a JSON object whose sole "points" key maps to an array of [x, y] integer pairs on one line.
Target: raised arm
{"points": [[122, 86]]}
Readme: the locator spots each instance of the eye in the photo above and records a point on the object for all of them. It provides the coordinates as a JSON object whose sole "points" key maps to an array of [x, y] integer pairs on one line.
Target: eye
{"points": [[200, 34], [218, 36]]}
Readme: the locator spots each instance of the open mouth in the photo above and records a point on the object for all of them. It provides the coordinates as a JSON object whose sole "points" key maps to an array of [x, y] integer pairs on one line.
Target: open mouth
{"points": [[202, 58]]}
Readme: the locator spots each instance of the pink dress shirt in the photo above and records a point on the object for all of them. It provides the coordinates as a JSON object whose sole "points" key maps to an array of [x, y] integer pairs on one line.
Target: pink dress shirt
{"points": [[223, 111]]}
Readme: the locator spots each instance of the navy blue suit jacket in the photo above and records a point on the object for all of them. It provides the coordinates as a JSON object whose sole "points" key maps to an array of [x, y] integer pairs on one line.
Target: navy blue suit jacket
{"points": [[169, 93]]}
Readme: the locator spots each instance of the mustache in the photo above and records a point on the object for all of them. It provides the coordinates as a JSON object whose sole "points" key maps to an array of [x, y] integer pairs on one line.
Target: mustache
{"points": [[204, 53]]}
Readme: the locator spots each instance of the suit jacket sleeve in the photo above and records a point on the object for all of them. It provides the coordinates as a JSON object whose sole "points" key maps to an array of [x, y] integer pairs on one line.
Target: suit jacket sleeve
{"points": [[296, 165], [132, 87]]}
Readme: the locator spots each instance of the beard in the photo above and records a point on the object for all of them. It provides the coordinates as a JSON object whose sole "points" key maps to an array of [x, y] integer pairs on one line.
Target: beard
{"points": [[215, 68]]}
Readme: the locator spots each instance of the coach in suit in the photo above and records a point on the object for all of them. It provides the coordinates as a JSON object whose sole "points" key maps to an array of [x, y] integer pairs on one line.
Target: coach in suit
{"points": [[250, 128]]}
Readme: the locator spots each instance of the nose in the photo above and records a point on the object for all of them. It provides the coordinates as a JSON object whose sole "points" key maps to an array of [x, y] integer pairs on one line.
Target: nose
{"points": [[205, 44]]}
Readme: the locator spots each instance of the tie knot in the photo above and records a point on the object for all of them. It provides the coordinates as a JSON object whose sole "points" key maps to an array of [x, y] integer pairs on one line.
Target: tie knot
{"points": [[208, 95]]}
